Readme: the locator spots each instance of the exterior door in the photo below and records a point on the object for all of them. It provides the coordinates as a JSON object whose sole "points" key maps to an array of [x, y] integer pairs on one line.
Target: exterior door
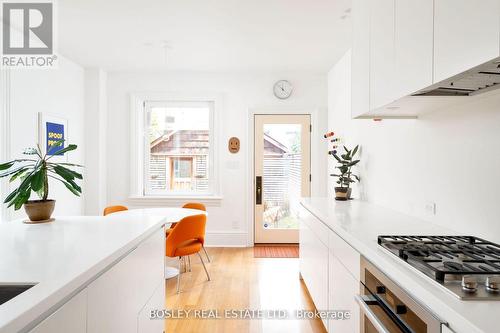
{"points": [[282, 175]]}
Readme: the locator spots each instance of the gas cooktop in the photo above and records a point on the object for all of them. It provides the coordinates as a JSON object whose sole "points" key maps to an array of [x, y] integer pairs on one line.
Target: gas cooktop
{"points": [[467, 266]]}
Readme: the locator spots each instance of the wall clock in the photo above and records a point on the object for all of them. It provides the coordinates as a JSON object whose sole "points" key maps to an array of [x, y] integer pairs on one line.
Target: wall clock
{"points": [[282, 89]]}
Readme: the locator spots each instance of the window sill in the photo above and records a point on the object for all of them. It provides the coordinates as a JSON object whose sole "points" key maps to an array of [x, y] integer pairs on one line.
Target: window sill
{"points": [[177, 200]]}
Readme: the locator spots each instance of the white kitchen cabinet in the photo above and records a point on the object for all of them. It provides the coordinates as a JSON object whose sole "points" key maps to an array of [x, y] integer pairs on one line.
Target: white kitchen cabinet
{"points": [[348, 256], [413, 45], [360, 58], [466, 34], [343, 287], [313, 262], [70, 317], [117, 297], [156, 302], [382, 64]]}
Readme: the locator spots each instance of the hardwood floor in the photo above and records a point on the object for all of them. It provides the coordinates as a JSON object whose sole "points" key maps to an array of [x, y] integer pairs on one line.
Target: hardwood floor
{"points": [[240, 281]]}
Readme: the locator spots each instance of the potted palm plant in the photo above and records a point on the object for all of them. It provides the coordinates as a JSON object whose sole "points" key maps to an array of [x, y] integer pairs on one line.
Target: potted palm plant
{"points": [[33, 173], [345, 177]]}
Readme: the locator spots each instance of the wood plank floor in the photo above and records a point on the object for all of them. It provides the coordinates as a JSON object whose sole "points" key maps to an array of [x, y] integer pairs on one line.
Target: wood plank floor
{"points": [[240, 281]]}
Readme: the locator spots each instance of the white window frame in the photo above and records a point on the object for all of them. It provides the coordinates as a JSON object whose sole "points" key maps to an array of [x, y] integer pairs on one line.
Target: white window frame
{"points": [[139, 148]]}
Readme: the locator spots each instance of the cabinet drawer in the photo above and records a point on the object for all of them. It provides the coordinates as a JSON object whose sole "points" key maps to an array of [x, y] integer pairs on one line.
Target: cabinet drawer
{"points": [[117, 297], [347, 255], [156, 302], [343, 287], [317, 227], [71, 317]]}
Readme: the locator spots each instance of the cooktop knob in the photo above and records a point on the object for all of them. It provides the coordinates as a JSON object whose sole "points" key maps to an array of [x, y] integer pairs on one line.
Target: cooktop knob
{"points": [[469, 283], [493, 283]]}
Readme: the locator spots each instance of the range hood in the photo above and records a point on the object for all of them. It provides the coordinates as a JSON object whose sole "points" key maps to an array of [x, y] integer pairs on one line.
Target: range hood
{"points": [[483, 78]]}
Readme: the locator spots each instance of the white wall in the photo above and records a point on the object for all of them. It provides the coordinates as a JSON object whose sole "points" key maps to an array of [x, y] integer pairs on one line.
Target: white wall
{"points": [[228, 224], [95, 140], [449, 157], [57, 92]]}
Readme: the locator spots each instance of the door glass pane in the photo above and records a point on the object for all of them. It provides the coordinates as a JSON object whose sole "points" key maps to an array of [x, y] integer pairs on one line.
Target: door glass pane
{"points": [[281, 175]]}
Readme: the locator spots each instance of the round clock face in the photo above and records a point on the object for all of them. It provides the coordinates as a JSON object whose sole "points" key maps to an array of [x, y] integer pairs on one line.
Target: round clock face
{"points": [[283, 89]]}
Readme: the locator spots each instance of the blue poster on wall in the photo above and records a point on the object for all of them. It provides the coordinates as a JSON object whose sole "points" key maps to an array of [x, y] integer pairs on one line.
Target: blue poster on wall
{"points": [[55, 138]]}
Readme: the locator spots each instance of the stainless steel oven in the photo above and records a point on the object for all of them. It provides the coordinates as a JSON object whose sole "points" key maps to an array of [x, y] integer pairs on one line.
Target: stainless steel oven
{"points": [[386, 308]]}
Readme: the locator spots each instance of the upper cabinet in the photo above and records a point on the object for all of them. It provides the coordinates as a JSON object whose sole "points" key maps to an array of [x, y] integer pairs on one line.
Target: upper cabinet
{"points": [[360, 60], [382, 68], [413, 47], [402, 47], [466, 34]]}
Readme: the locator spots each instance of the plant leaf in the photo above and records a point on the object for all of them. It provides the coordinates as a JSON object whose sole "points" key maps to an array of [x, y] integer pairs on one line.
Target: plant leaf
{"points": [[37, 180], [67, 164], [75, 186], [74, 174], [10, 196], [337, 158], [8, 173], [22, 198], [7, 165], [69, 187], [18, 173], [352, 163], [355, 150], [65, 150]]}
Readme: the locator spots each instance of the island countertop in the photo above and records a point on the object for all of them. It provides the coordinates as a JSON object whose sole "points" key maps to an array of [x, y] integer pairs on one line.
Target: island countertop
{"points": [[63, 256], [359, 223]]}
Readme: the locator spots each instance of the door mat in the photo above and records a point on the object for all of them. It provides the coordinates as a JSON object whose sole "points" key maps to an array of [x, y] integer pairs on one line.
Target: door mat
{"points": [[276, 251]]}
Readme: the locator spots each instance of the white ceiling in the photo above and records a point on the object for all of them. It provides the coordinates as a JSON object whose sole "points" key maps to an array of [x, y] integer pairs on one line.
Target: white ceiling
{"points": [[204, 35]]}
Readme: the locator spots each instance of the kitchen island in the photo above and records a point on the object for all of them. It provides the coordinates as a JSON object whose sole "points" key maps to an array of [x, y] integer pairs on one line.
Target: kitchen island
{"points": [[335, 235], [90, 273]]}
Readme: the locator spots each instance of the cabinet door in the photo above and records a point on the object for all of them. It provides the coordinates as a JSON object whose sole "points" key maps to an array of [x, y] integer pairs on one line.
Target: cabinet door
{"points": [[343, 288], [71, 317], [157, 302], [117, 297], [314, 266], [413, 49], [466, 34], [381, 53], [360, 58]]}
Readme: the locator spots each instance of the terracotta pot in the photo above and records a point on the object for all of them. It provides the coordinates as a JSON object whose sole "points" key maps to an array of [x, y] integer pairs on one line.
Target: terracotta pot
{"points": [[342, 193], [39, 210]]}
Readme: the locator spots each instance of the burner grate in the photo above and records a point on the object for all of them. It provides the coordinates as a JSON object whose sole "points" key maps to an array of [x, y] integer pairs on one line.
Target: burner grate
{"points": [[443, 257]]}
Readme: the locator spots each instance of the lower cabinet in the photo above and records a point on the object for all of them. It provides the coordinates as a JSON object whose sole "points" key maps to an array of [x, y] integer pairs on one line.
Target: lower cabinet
{"points": [[343, 288], [331, 279], [314, 266], [121, 299], [117, 297], [157, 302], [71, 317]]}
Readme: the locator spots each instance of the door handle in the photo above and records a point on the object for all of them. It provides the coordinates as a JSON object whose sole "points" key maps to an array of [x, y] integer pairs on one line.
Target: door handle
{"points": [[365, 309], [258, 190]]}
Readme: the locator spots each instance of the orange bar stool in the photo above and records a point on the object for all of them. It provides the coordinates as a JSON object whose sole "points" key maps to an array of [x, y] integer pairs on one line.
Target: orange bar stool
{"points": [[186, 239], [113, 209], [199, 206]]}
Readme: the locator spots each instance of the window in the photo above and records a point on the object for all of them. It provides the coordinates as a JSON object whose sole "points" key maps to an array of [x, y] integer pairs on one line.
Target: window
{"points": [[178, 148]]}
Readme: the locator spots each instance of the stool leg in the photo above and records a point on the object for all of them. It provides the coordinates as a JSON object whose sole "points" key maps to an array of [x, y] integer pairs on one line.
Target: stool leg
{"points": [[189, 263], [204, 267]]}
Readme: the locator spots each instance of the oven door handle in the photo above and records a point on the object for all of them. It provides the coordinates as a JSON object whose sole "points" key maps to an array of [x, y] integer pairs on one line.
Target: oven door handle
{"points": [[379, 326]]}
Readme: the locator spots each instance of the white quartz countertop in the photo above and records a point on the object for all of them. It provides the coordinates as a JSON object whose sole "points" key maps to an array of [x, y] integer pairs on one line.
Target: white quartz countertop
{"points": [[63, 256], [359, 223]]}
